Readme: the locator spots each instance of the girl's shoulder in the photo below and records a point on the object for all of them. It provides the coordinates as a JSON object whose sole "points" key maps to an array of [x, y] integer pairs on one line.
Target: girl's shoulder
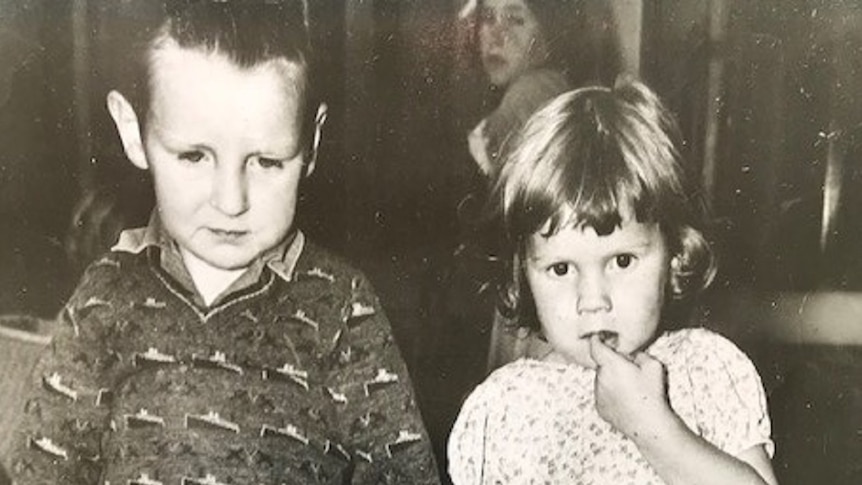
{"points": [[715, 388], [531, 379], [536, 87], [695, 343], [530, 368], [705, 356]]}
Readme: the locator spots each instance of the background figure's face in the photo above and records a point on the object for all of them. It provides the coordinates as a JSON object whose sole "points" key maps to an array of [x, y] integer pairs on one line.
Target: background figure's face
{"points": [[223, 145], [584, 283], [510, 40]]}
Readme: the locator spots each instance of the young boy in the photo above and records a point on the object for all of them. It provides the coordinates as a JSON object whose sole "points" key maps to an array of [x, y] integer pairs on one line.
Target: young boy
{"points": [[218, 345]]}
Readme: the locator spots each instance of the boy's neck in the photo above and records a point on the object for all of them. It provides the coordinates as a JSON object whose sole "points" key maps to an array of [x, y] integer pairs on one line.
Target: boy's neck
{"points": [[209, 281]]}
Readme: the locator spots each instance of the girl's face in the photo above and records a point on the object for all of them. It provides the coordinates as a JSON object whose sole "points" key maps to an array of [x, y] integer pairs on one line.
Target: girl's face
{"points": [[510, 40], [583, 283]]}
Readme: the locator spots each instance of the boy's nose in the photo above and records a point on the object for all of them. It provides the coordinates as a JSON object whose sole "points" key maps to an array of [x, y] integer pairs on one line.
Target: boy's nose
{"points": [[229, 193], [593, 296]]}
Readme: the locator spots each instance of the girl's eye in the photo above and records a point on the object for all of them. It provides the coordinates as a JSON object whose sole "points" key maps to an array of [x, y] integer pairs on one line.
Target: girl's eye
{"points": [[486, 17], [560, 269], [515, 20], [623, 261], [265, 162], [193, 156]]}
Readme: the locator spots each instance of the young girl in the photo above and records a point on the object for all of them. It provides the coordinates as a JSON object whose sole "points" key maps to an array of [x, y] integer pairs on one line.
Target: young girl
{"points": [[606, 243], [532, 51]]}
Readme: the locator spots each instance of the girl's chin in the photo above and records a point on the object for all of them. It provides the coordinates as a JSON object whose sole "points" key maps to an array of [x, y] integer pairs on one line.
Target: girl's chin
{"points": [[561, 358], [498, 77]]}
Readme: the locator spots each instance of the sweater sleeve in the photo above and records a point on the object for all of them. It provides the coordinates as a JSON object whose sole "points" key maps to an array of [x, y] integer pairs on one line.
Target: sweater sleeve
{"points": [[66, 413], [376, 412]]}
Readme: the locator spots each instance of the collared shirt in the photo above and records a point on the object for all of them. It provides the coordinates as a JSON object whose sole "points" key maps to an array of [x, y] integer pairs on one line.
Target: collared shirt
{"points": [[281, 259]]}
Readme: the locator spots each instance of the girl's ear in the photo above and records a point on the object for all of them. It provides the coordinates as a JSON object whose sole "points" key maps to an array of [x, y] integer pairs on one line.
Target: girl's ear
{"points": [[676, 278], [319, 120], [128, 128]]}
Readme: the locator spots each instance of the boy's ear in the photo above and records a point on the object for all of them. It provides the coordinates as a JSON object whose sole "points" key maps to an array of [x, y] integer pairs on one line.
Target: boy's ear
{"points": [[128, 127], [319, 120]]}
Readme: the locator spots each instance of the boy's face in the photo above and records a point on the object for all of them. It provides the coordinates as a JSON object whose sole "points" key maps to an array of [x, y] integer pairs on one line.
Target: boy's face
{"points": [[583, 283], [225, 151]]}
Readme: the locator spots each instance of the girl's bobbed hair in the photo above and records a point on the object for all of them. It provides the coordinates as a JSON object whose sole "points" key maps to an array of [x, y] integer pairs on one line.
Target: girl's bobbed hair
{"points": [[584, 159]]}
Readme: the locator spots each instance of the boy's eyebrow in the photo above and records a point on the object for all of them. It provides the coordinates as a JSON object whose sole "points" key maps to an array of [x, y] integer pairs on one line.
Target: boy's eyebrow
{"points": [[289, 154], [289, 150]]}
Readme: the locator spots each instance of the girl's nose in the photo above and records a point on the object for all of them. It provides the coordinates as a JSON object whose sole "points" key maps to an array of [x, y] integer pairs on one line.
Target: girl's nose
{"points": [[496, 31], [593, 296], [229, 192]]}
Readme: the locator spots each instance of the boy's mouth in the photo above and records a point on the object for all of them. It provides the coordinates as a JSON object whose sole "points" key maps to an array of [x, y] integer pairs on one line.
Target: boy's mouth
{"points": [[227, 233], [607, 337]]}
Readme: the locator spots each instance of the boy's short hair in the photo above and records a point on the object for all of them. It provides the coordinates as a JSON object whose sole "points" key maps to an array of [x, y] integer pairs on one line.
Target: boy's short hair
{"points": [[247, 32], [583, 157]]}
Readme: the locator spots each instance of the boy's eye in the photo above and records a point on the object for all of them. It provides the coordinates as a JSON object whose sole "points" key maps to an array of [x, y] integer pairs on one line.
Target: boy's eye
{"points": [[192, 156], [560, 269], [623, 261], [265, 162]]}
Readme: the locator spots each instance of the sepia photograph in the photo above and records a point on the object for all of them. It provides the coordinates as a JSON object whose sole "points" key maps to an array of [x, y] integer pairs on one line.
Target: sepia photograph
{"points": [[446, 242]]}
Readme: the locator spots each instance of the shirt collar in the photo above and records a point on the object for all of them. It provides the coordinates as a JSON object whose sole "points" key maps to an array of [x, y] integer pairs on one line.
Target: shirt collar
{"points": [[281, 259]]}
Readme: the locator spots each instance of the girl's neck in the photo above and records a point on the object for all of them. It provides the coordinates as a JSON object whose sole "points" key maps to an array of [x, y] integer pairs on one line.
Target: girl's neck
{"points": [[555, 357], [209, 281]]}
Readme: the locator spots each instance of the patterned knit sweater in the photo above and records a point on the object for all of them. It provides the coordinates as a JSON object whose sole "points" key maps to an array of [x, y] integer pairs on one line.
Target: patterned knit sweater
{"points": [[287, 381]]}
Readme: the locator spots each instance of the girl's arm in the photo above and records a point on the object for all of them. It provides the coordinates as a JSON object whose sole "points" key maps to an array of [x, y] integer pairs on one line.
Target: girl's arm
{"points": [[631, 395]]}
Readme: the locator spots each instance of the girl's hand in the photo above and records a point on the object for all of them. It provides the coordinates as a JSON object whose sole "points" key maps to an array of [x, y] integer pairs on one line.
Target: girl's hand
{"points": [[478, 142], [631, 394]]}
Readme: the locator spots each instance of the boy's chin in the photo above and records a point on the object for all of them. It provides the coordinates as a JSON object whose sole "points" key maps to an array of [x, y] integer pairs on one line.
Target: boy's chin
{"points": [[225, 261]]}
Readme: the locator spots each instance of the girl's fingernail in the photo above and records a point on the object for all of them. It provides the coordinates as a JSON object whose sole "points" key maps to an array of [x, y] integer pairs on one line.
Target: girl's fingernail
{"points": [[609, 338]]}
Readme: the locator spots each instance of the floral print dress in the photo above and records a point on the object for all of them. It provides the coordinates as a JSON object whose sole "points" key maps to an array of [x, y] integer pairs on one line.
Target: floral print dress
{"points": [[535, 422]]}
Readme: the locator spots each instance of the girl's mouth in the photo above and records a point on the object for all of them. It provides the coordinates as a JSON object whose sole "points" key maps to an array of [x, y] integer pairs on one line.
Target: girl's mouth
{"points": [[494, 61], [607, 337]]}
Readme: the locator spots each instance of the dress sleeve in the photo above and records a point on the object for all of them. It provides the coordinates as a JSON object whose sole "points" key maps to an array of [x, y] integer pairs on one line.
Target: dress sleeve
{"points": [[66, 412], [376, 411], [466, 448], [728, 394]]}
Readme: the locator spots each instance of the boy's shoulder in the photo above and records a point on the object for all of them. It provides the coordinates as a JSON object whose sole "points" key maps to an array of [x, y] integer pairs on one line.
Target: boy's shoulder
{"points": [[111, 266], [317, 261]]}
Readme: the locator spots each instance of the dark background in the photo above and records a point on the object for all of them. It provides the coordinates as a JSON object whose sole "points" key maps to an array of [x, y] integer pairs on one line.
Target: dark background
{"points": [[769, 95]]}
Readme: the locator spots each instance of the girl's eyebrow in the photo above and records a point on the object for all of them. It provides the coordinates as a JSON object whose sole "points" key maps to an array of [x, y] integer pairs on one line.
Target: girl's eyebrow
{"points": [[641, 244], [513, 9]]}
